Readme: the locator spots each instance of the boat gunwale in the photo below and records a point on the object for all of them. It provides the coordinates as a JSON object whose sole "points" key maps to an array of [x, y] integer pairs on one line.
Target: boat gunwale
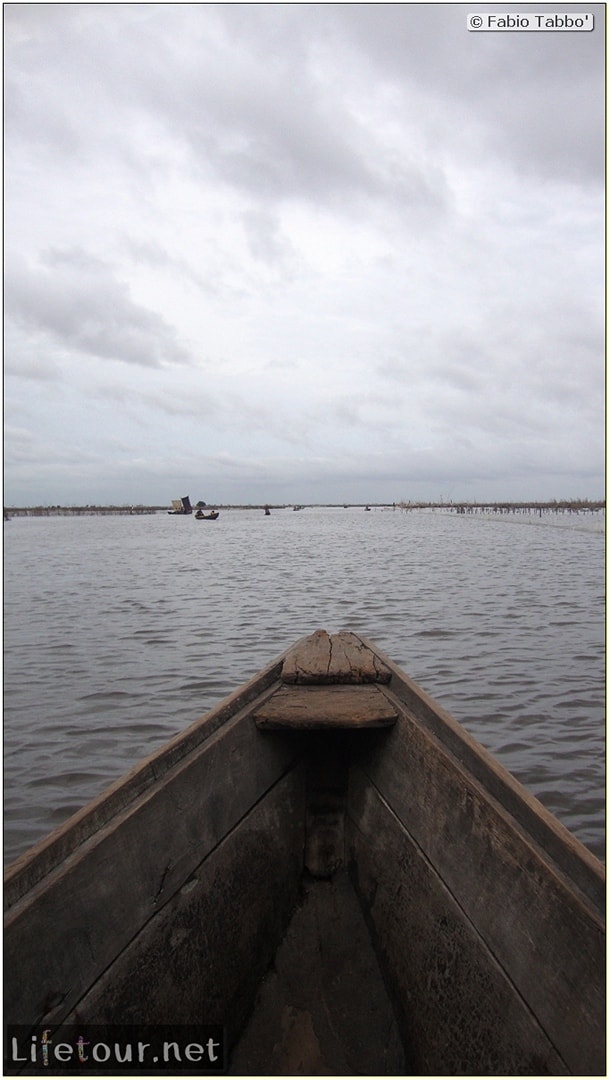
{"points": [[35, 864], [538, 860], [579, 865], [581, 868], [498, 958], [444, 791]]}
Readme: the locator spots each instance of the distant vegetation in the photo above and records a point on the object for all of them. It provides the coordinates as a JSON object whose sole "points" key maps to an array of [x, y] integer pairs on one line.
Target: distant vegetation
{"points": [[61, 511], [555, 505]]}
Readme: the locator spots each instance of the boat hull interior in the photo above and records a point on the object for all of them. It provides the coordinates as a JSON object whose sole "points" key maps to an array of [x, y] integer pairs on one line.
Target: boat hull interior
{"points": [[372, 899]]}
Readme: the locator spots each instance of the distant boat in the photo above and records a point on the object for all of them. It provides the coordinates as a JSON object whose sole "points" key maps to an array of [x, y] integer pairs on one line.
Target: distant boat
{"points": [[213, 514], [367, 508], [267, 511], [181, 506], [297, 508]]}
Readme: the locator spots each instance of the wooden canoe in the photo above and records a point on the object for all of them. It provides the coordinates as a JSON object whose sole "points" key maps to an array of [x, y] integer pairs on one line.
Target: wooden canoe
{"points": [[330, 867]]}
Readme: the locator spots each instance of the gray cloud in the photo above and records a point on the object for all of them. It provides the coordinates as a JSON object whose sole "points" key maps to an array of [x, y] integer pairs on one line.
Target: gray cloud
{"points": [[265, 237], [76, 300], [326, 246], [539, 104]]}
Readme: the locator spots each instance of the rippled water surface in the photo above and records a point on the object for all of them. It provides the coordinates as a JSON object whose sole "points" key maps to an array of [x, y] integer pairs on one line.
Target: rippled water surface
{"points": [[120, 631]]}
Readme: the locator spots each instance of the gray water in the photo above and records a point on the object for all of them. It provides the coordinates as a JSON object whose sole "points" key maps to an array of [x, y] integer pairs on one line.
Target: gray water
{"points": [[120, 631]]}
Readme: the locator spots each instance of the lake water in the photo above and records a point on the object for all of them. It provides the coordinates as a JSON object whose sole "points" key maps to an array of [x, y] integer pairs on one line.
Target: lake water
{"points": [[122, 630]]}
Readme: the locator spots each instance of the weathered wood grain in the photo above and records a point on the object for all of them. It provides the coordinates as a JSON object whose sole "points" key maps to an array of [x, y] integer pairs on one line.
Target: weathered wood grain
{"points": [[323, 1008], [87, 909], [200, 959], [546, 935], [309, 708], [337, 658], [458, 1011], [570, 856], [31, 867]]}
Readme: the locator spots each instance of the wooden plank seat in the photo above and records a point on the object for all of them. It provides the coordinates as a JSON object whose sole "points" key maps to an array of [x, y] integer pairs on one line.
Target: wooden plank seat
{"points": [[329, 681], [314, 707]]}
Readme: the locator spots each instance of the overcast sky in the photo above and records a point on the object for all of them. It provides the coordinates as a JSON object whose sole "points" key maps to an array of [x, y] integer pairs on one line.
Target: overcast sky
{"points": [[314, 253]]}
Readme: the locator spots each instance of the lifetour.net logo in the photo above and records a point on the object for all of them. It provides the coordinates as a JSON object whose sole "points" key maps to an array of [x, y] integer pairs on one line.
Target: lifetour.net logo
{"points": [[115, 1050]]}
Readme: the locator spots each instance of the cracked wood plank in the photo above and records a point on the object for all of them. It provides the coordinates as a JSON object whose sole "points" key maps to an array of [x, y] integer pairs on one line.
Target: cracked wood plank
{"points": [[324, 659]]}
